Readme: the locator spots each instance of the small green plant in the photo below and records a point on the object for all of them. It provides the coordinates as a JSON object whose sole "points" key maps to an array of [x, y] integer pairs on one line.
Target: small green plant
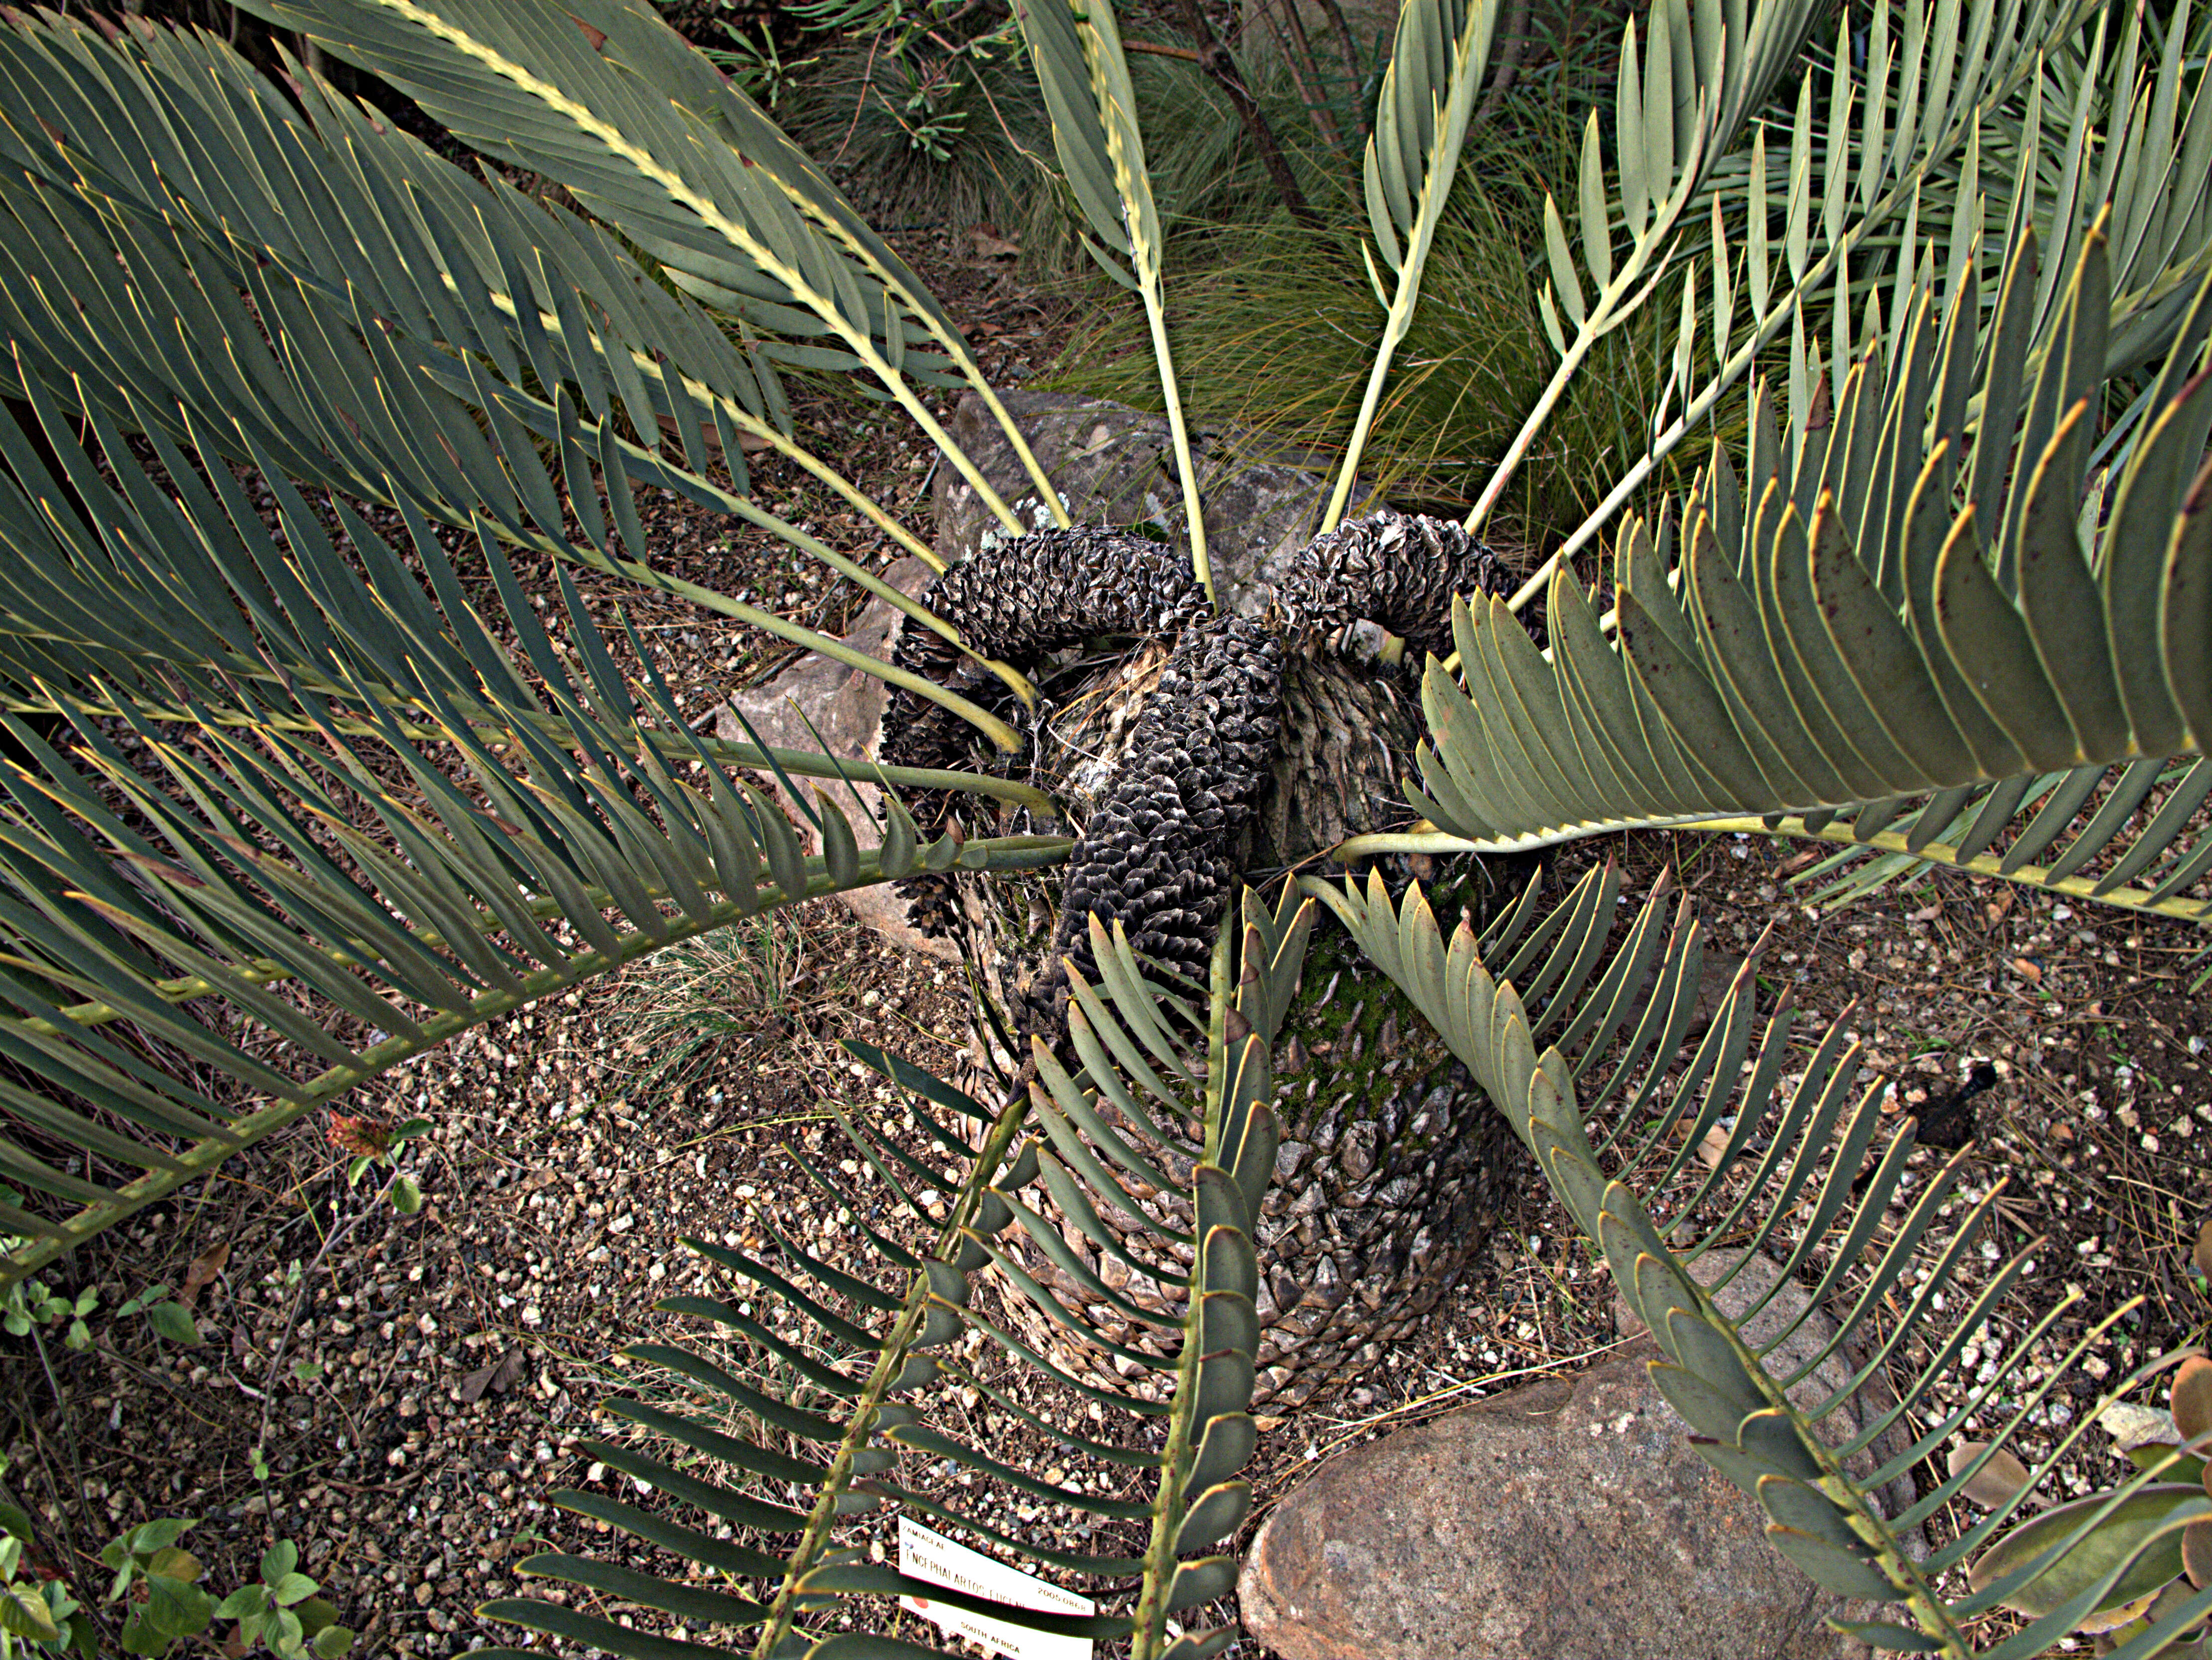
{"points": [[36, 1612], [30, 1305], [707, 999], [170, 1606], [371, 1141], [761, 70], [279, 1611], [169, 1318], [929, 110], [158, 1581], [282, 1611]]}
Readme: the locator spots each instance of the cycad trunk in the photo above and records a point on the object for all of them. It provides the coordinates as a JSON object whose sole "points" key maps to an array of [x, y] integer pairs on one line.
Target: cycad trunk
{"points": [[1393, 1167]]}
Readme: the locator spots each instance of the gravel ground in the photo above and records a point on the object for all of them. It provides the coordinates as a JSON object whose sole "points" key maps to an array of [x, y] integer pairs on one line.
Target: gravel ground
{"points": [[440, 1370], [414, 1386]]}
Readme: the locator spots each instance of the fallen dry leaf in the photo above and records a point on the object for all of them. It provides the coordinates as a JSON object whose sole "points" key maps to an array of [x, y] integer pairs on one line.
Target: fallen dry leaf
{"points": [[204, 1267], [988, 246], [2029, 967], [499, 1376], [1996, 1481], [366, 1137]]}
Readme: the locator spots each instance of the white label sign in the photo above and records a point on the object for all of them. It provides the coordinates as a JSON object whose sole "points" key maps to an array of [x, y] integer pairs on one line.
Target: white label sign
{"points": [[926, 1554]]}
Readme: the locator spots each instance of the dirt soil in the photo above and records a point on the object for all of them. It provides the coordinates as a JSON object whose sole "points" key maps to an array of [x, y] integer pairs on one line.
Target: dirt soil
{"points": [[417, 1386]]}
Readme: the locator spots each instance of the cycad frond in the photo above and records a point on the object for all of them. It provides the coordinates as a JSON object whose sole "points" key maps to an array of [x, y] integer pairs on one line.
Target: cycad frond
{"points": [[387, 327], [1877, 611], [1436, 67], [608, 101], [2118, 115], [246, 702], [2118, 119], [1660, 1167], [2139, 849], [893, 1357], [1909, 136], [1084, 77], [2114, 121]]}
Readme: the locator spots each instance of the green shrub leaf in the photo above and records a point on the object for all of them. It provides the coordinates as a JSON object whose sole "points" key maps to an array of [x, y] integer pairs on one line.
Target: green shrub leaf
{"points": [[174, 1321], [175, 1609], [2141, 1531], [24, 1613], [175, 1563], [244, 1600]]}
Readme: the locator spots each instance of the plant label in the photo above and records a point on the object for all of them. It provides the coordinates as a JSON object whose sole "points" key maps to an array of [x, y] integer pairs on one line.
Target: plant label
{"points": [[925, 1553]]}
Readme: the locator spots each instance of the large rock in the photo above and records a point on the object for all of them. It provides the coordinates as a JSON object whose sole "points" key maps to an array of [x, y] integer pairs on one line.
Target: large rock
{"points": [[1116, 465], [1566, 1519], [819, 703]]}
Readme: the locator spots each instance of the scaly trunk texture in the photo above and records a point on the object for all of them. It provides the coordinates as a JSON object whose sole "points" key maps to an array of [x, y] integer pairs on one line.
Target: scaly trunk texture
{"points": [[1214, 746]]}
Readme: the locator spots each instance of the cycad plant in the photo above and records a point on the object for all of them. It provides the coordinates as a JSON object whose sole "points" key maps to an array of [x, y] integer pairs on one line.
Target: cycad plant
{"points": [[284, 803]]}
